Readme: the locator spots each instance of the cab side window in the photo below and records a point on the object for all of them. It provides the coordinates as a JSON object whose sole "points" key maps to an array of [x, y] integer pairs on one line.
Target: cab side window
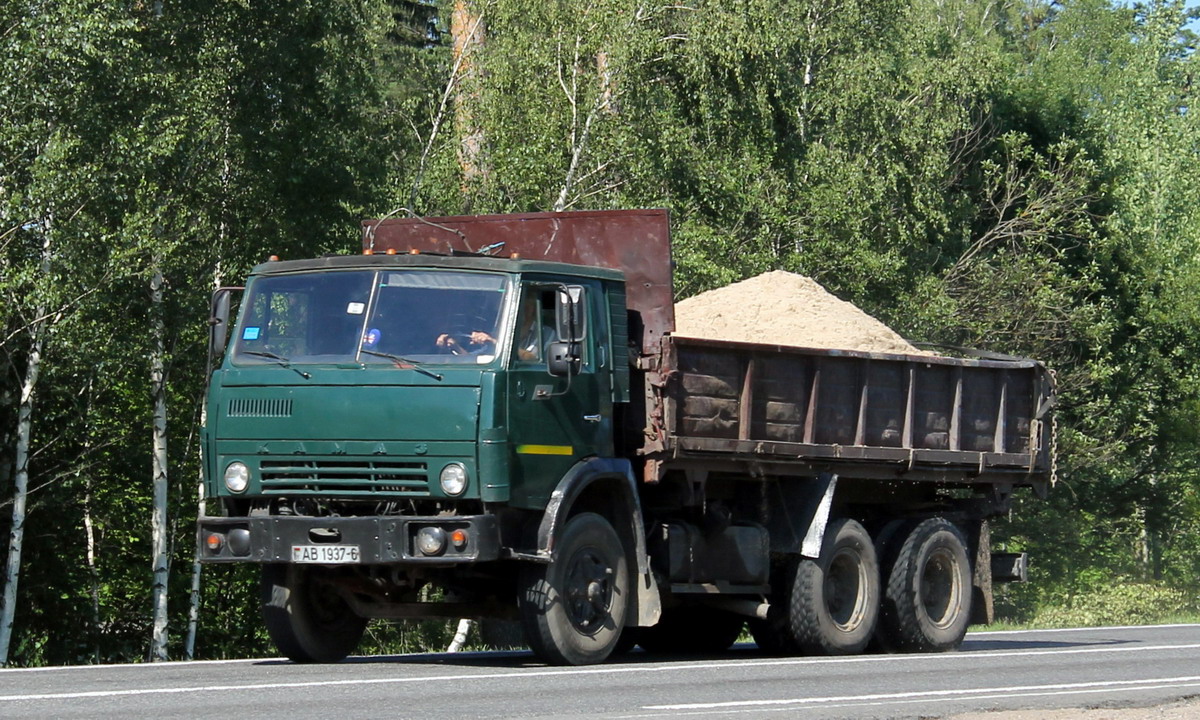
{"points": [[545, 316], [535, 326]]}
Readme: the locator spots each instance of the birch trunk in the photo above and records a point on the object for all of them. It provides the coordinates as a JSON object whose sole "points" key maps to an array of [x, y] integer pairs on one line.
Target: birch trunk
{"points": [[158, 389], [460, 636], [12, 574], [93, 573], [89, 530], [579, 138], [189, 646]]}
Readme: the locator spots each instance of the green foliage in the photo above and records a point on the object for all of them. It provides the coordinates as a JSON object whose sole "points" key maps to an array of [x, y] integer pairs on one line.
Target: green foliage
{"points": [[193, 138], [1120, 601]]}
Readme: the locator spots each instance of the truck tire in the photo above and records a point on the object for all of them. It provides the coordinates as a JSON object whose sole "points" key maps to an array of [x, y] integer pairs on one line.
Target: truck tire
{"points": [[773, 634], [573, 609], [306, 617], [692, 629], [835, 598], [927, 600]]}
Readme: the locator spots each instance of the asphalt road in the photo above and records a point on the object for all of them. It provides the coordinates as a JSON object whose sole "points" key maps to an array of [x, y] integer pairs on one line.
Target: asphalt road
{"points": [[1006, 670]]}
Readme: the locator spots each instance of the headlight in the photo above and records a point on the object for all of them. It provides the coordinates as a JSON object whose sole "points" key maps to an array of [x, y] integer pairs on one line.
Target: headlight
{"points": [[454, 479], [237, 477], [431, 540]]}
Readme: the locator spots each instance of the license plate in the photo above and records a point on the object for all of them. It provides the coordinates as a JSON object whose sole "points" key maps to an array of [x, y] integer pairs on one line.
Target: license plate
{"points": [[325, 554]]}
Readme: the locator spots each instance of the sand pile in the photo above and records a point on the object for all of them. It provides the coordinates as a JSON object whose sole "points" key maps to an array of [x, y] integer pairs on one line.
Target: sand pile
{"points": [[783, 308]]}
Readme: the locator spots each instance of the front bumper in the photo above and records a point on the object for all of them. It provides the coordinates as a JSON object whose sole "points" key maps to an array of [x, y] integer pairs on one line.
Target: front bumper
{"points": [[378, 539]]}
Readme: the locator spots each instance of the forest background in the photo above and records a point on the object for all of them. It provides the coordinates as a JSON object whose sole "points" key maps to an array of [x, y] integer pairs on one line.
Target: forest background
{"points": [[1016, 175]]}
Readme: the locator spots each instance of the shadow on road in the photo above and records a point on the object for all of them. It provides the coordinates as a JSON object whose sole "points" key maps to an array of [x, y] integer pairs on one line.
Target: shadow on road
{"points": [[518, 659], [985, 645]]}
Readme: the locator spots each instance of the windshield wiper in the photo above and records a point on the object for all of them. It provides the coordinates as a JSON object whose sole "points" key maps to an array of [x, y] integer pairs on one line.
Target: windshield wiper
{"points": [[403, 363], [279, 360]]}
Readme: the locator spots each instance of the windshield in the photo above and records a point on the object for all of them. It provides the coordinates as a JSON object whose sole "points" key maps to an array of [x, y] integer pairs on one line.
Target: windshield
{"points": [[372, 317]]}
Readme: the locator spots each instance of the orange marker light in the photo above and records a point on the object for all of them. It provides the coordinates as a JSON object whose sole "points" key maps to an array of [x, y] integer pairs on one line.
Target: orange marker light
{"points": [[273, 258], [391, 251], [368, 251], [214, 542], [459, 539], [414, 251]]}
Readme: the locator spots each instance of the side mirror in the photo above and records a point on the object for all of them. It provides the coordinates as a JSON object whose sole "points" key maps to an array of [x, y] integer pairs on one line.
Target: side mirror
{"points": [[218, 322], [570, 312], [563, 358]]}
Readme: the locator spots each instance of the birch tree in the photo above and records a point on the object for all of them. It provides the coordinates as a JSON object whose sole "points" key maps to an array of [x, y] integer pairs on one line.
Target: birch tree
{"points": [[12, 572], [176, 120], [158, 394], [47, 186]]}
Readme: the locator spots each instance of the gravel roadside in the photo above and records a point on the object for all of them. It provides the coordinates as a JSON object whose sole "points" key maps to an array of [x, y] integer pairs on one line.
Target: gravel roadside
{"points": [[1187, 709]]}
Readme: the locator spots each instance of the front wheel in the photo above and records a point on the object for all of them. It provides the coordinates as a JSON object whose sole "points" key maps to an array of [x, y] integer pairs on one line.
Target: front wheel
{"points": [[305, 616], [927, 606], [573, 609]]}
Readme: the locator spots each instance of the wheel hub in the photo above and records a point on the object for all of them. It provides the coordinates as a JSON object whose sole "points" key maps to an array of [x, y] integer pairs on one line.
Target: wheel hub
{"points": [[844, 583], [940, 588], [588, 591]]}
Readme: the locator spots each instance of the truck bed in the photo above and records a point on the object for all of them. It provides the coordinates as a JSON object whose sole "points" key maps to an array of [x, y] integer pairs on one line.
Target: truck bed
{"points": [[789, 410]]}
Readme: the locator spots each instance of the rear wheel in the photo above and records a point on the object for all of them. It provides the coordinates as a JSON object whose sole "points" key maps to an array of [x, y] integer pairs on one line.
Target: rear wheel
{"points": [[305, 615], [927, 604], [692, 629], [573, 609], [835, 598]]}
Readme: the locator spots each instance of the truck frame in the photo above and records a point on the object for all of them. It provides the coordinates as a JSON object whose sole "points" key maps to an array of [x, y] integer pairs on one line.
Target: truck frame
{"points": [[489, 417]]}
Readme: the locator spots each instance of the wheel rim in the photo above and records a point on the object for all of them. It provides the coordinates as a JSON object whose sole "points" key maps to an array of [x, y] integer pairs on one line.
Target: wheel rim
{"points": [[844, 597], [940, 588], [588, 590]]}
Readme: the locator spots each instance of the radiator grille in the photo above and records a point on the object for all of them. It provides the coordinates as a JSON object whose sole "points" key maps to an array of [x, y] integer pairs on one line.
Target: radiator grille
{"points": [[345, 478], [260, 407]]}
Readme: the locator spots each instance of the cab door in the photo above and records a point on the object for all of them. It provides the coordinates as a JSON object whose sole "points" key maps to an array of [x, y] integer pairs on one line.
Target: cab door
{"points": [[555, 421]]}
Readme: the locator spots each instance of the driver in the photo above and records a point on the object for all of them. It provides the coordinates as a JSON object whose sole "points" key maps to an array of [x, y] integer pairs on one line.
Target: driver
{"points": [[476, 342]]}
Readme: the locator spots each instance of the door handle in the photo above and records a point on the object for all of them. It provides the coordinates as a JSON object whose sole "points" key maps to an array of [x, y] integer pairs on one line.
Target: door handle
{"points": [[592, 418]]}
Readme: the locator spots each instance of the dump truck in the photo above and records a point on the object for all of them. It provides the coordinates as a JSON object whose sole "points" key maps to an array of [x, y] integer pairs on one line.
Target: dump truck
{"points": [[490, 417]]}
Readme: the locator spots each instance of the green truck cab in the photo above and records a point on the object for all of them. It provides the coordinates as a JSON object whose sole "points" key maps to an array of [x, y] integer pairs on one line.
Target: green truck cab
{"points": [[488, 417], [416, 411]]}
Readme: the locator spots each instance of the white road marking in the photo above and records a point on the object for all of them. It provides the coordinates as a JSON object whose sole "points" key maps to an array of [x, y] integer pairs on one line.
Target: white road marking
{"points": [[1011, 691], [177, 664], [956, 658]]}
